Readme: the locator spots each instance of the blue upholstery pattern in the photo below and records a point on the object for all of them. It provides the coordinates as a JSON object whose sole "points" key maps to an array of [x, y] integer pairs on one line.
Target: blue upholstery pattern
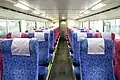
{"points": [[43, 72], [20, 67], [76, 47], [51, 41], [43, 50], [77, 73], [96, 66]]}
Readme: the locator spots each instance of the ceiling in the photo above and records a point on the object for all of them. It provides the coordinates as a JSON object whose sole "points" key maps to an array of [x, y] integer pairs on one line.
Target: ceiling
{"points": [[57, 8]]}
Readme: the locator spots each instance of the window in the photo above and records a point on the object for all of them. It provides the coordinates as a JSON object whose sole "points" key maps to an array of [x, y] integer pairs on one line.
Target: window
{"points": [[86, 25], [109, 26], [3, 27], [13, 25], [96, 25]]}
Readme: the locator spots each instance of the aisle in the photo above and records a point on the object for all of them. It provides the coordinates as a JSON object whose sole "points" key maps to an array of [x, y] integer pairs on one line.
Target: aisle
{"points": [[62, 67]]}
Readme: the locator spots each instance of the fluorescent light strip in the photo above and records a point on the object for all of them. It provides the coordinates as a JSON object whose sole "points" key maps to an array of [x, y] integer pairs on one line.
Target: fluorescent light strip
{"points": [[22, 6], [90, 6], [100, 5], [35, 12], [87, 12]]}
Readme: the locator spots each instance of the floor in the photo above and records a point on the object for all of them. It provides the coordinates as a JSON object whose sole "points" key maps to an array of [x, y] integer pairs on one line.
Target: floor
{"points": [[62, 67]]}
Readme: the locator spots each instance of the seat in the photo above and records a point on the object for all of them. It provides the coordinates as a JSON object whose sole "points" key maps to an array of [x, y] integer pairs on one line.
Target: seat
{"points": [[75, 45], [16, 35], [43, 39], [77, 73], [96, 59], [97, 35], [1, 62], [108, 35], [117, 59], [51, 41], [20, 59]]}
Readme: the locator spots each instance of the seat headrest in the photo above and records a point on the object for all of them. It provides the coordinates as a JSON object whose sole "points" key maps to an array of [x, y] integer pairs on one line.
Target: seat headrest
{"points": [[16, 35], [97, 35], [40, 36], [46, 31], [20, 46], [81, 36], [95, 46], [106, 35]]}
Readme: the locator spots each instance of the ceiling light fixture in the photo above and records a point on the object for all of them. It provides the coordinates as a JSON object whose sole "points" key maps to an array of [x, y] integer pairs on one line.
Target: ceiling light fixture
{"points": [[76, 17], [35, 12], [63, 17], [22, 6], [100, 5], [87, 12]]}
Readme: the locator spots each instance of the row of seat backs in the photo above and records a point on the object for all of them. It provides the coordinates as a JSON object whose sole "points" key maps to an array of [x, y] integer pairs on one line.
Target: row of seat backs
{"points": [[76, 37], [95, 35], [56, 34], [96, 59], [116, 52], [44, 44], [20, 59]]}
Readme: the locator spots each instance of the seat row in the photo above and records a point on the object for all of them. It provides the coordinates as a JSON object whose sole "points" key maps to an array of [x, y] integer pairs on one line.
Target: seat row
{"points": [[25, 56], [76, 39]]}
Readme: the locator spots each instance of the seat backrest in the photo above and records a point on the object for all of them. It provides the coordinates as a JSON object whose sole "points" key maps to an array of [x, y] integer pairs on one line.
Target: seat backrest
{"points": [[117, 59], [97, 35], [16, 35], [108, 35], [76, 40], [96, 59], [51, 40], [20, 59], [1, 61], [43, 39]]}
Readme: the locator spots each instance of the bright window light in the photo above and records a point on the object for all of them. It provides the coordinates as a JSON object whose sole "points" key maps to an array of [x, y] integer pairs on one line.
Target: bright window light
{"points": [[100, 5], [22, 6], [35, 12], [87, 12]]}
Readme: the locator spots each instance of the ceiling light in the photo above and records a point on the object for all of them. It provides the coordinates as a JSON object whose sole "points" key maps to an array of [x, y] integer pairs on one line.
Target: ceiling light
{"points": [[100, 5], [22, 6], [87, 12], [35, 12], [76, 17], [63, 17], [81, 15]]}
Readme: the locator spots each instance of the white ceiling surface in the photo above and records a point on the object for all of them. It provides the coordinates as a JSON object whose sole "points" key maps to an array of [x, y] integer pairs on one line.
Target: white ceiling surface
{"points": [[71, 8], [6, 14], [113, 14]]}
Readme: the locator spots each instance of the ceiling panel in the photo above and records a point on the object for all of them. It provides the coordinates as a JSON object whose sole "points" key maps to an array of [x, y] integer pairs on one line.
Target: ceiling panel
{"points": [[69, 8]]}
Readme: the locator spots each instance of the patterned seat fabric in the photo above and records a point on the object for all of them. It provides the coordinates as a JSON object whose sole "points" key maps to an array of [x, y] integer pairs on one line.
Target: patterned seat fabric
{"points": [[108, 35], [51, 41], [117, 59], [76, 41], [43, 48], [96, 64], [16, 35], [97, 35], [20, 67], [1, 62]]}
